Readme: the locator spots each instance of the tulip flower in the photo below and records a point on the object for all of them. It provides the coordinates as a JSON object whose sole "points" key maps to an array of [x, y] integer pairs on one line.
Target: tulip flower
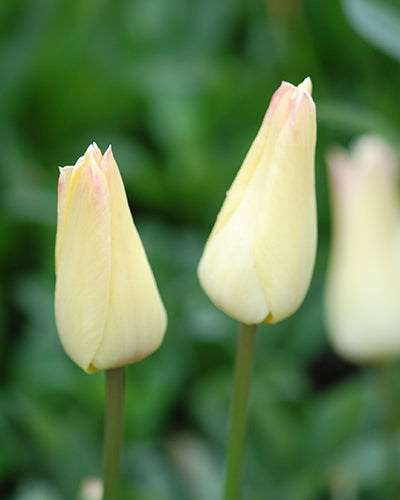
{"points": [[363, 285], [258, 261], [107, 306]]}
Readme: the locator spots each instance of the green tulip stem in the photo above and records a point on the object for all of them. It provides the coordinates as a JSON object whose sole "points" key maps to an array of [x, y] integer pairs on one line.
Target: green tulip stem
{"points": [[239, 410], [113, 431], [390, 414]]}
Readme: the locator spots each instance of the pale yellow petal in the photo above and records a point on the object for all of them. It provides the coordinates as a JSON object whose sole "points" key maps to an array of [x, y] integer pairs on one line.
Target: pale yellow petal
{"points": [[305, 85], [136, 318], [261, 147], [66, 184], [63, 201], [227, 270], [95, 153], [286, 232], [84, 269]]}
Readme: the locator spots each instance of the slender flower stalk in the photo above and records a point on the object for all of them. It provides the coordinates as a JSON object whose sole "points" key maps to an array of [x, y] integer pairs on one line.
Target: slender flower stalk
{"points": [[240, 402], [385, 374], [113, 432]]}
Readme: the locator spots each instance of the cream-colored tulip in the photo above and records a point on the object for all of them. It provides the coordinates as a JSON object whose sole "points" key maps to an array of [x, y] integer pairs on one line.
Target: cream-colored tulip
{"points": [[363, 284], [258, 260], [108, 309]]}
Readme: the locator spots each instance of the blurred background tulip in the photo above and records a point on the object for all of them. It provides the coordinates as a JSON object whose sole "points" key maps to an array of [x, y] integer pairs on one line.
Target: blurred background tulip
{"points": [[363, 285], [178, 88]]}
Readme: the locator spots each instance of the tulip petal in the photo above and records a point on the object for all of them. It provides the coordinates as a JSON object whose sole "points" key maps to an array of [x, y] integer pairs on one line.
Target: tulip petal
{"points": [[305, 86], [262, 147], [136, 318], [66, 185], [62, 212], [286, 237], [227, 269], [83, 279]]}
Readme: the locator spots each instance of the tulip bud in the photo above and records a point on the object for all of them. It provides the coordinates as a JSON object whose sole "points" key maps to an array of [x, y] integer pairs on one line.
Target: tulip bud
{"points": [[258, 260], [363, 285], [107, 306]]}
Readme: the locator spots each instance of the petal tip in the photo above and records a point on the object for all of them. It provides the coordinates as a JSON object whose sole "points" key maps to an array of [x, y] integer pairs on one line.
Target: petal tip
{"points": [[306, 85], [108, 152], [94, 152]]}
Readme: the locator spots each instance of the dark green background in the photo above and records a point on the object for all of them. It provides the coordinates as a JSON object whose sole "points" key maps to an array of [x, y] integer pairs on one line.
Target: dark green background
{"points": [[179, 88]]}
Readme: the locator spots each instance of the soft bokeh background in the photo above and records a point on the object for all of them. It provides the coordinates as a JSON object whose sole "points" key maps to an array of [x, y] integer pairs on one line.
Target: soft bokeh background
{"points": [[179, 88]]}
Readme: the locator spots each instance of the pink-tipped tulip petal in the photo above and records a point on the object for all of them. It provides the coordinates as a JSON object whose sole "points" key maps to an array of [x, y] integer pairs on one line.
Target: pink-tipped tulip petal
{"points": [[108, 309], [258, 260]]}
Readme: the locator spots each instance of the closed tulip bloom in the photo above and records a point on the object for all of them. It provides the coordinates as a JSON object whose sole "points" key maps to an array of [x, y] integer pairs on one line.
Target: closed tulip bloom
{"points": [[363, 284], [107, 306], [258, 261]]}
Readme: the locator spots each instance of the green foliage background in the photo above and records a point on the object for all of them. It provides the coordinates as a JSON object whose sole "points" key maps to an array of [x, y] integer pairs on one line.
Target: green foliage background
{"points": [[179, 88]]}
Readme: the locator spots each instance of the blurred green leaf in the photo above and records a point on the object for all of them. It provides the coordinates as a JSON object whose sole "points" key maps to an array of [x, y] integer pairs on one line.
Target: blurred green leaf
{"points": [[377, 21], [36, 490], [355, 119], [333, 417]]}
